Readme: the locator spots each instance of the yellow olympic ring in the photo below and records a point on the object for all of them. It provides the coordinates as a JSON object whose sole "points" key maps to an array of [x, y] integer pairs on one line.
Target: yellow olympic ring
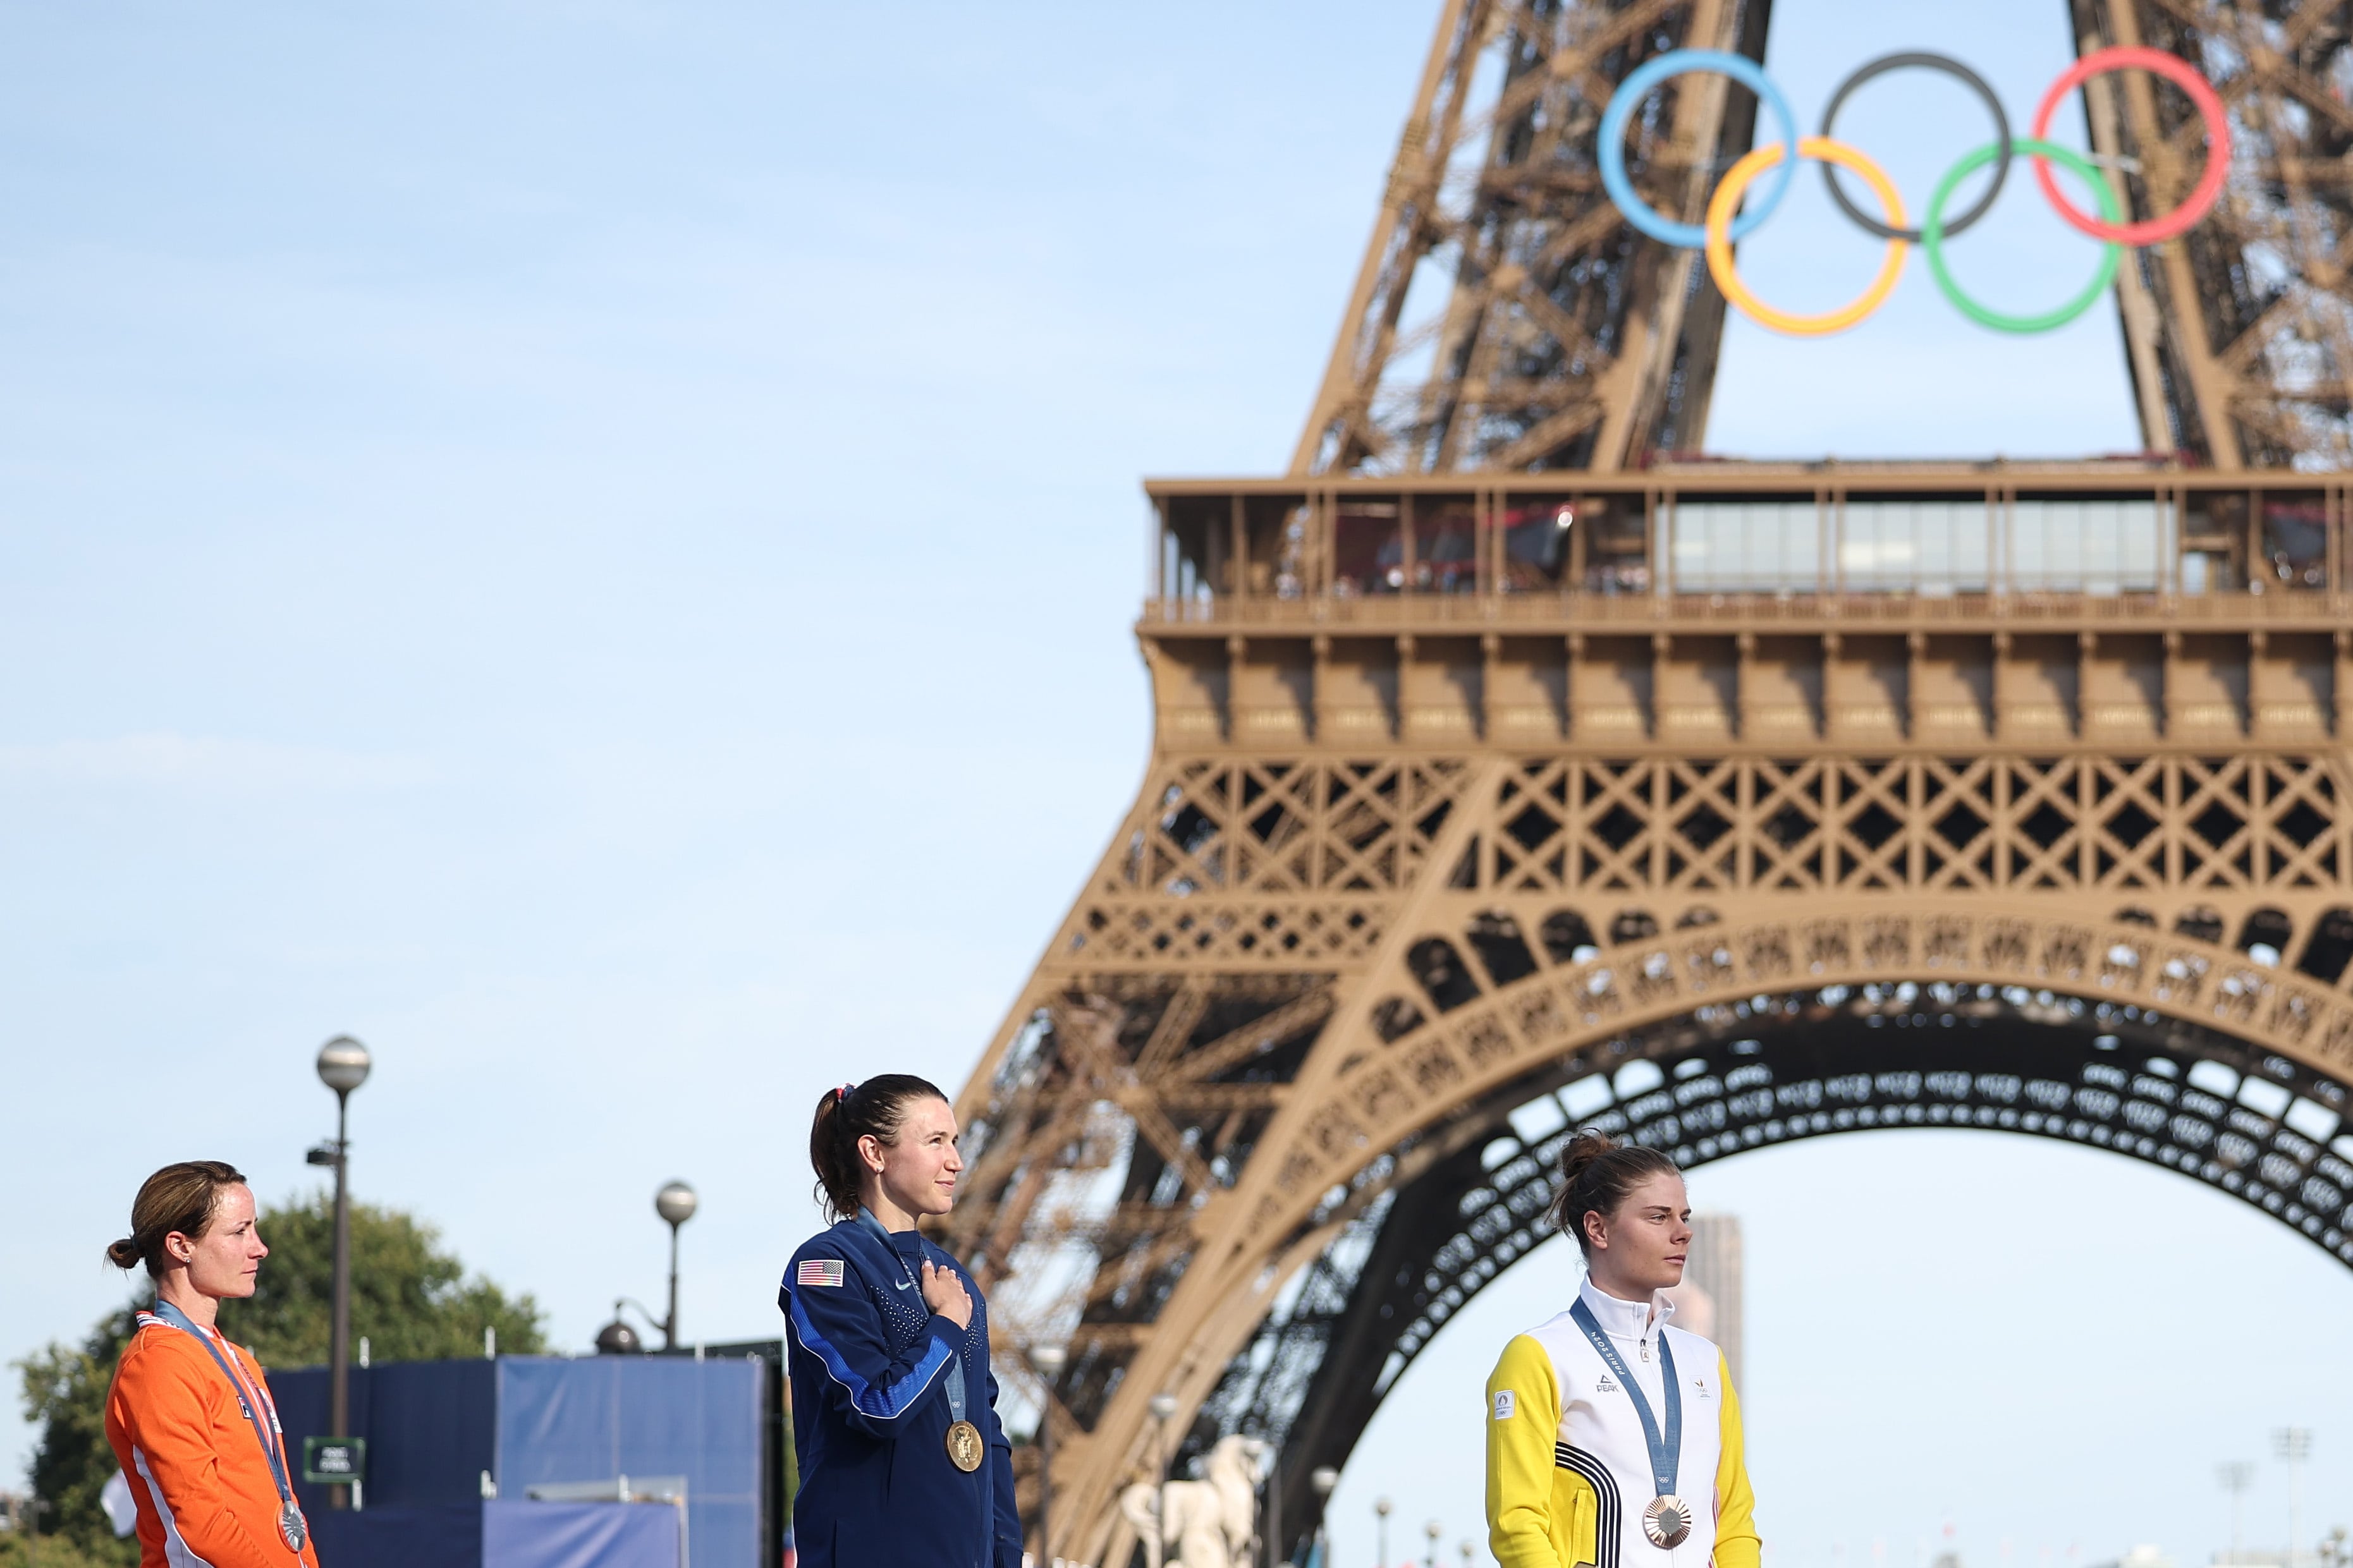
{"points": [[1719, 239]]}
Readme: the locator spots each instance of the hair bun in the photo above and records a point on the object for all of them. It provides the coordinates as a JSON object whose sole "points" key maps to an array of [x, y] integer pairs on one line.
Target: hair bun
{"points": [[1587, 1146], [1597, 1173], [122, 1254]]}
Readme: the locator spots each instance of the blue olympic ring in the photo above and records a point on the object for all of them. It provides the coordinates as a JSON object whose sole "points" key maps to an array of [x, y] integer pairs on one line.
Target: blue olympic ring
{"points": [[1629, 95]]}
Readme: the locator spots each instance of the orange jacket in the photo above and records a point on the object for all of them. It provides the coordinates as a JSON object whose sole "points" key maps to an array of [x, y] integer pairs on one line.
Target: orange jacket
{"points": [[206, 1495]]}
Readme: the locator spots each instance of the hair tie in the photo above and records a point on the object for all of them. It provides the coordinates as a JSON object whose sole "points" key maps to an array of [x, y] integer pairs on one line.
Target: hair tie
{"points": [[843, 1092]]}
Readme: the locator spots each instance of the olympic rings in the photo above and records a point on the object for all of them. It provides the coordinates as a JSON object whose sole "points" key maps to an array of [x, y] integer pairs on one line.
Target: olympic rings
{"points": [[1630, 94], [1967, 78], [1720, 228], [2182, 74], [1935, 233], [1716, 236]]}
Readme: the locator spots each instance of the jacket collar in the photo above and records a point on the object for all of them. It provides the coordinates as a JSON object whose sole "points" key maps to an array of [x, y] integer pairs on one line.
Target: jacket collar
{"points": [[905, 1242], [1623, 1319]]}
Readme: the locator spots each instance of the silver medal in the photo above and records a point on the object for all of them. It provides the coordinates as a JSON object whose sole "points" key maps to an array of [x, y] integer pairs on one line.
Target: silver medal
{"points": [[290, 1525]]}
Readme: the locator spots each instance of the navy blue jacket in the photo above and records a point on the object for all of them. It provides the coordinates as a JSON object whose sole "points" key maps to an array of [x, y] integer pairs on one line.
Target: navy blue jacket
{"points": [[869, 1364]]}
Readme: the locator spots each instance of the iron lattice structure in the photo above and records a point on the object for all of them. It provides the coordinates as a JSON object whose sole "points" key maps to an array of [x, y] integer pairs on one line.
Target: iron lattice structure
{"points": [[1562, 339], [1477, 810]]}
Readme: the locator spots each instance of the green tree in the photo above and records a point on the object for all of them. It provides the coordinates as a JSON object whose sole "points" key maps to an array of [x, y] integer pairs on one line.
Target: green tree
{"points": [[410, 1298], [65, 1396], [56, 1551]]}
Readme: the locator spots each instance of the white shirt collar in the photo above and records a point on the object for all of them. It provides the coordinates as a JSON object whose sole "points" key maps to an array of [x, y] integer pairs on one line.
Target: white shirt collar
{"points": [[1622, 1320]]}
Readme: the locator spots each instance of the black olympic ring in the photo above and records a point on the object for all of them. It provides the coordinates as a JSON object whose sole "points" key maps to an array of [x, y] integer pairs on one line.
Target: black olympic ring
{"points": [[1969, 79]]}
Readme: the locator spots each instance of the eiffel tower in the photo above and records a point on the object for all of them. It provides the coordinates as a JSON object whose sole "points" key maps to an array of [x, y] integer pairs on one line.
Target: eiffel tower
{"points": [[1513, 772]]}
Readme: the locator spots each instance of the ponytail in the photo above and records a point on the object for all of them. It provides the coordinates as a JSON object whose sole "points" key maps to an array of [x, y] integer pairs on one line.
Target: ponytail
{"points": [[1597, 1173], [875, 1109], [178, 1198]]}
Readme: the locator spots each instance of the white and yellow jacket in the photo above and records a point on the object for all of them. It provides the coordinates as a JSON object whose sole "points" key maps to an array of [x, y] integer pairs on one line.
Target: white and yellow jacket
{"points": [[1568, 1472]]}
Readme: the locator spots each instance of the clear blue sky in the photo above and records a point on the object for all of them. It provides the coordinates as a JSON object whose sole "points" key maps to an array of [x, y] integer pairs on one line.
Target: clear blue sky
{"points": [[593, 546]]}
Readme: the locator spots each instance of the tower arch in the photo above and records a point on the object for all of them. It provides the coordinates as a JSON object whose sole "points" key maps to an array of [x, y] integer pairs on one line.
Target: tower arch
{"points": [[2095, 1071]]}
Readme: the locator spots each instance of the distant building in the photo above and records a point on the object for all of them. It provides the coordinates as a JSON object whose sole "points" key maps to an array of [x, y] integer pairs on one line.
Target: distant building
{"points": [[1709, 1301]]}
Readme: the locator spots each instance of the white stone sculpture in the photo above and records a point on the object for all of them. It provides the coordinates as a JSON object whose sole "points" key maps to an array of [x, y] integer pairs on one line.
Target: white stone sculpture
{"points": [[1212, 1522]]}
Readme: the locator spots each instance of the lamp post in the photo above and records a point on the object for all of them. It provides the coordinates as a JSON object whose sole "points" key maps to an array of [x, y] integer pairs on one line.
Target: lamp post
{"points": [[1323, 1479], [2293, 1443], [343, 1066], [675, 1202], [1432, 1529], [1047, 1361], [2235, 1475], [1164, 1410], [1381, 1532]]}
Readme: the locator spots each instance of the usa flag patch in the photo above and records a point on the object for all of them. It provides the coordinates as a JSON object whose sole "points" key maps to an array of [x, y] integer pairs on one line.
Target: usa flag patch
{"points": [[818, 1271]]}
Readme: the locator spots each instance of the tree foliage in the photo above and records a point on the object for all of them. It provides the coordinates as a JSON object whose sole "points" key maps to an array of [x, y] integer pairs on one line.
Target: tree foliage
{"points": [[409, 1297], [57, 1551], [65, 1396]]}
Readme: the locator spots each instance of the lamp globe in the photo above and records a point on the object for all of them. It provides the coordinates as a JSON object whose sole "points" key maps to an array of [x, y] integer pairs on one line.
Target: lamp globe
{"points": [[675, 1202], [344, 1064]]}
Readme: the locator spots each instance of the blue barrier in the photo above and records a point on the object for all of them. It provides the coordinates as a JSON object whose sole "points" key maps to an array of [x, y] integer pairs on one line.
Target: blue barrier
{"points": [[435, 1428]]}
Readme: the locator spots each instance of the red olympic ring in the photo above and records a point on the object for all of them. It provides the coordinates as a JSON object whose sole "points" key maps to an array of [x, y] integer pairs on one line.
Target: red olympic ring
{"points": [[2182, 74]]}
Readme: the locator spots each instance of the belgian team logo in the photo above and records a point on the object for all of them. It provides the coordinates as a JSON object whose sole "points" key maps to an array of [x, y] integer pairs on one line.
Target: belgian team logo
{"points": [[1714, 236]]}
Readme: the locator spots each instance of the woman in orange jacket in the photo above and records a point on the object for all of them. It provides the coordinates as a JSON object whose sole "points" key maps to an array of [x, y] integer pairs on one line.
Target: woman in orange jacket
{"points": [[189, 1416]]}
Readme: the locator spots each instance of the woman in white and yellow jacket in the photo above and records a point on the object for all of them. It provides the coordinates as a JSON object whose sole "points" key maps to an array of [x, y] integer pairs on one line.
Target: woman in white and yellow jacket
{"points": [[1578, 1470]]}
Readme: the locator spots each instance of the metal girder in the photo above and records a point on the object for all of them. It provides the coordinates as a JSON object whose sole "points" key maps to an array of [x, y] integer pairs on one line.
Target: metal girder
{"points": [[1564, 340], [1549, 916], [1505, 319], [1413, 851]]}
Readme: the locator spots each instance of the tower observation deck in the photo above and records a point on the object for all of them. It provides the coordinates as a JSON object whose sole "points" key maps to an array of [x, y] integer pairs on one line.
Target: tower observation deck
{"points": [[1512, 773]]}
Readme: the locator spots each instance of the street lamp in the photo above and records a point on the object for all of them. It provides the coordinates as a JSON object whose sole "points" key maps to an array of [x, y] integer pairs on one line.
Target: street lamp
{"points": [[1381, 1530], [1432, 1529], [675, 1202], [342, 1065], [1323, 1479], [2235, 1475], [1047, 1361], [2293, 1443], [617, 1337]]}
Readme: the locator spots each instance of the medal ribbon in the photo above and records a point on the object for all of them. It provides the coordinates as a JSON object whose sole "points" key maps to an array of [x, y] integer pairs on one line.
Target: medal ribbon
{"points": [[172, 1317], [954, 1378], [1667, 1451]]}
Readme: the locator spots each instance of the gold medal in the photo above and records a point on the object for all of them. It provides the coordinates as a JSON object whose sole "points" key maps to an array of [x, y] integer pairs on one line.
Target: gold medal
{"points": [[965, 1448], [1667, 1521]]}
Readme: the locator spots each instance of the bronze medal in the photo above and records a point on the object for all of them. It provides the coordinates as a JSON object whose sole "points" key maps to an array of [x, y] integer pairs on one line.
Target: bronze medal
{"points": [[965, 1449], [1667, 1521]]}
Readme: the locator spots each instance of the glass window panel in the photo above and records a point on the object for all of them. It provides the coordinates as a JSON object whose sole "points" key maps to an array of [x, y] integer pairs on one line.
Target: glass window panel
{"points": [[1949, 546], [1744, 547], [1879, 550], [2097, 545], [1933, 545]]}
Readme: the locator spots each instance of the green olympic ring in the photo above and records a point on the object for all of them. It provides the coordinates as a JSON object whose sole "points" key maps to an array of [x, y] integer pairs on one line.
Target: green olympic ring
{"points": [[1932, 237]]}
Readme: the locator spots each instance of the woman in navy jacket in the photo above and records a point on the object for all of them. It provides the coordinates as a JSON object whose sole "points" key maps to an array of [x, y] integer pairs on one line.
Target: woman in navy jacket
{"points": [[894, 1412]]}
